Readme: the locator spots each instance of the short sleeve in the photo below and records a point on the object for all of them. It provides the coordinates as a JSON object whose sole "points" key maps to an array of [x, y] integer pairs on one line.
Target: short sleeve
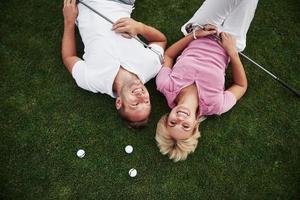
{"points": [[158, 48], [228, 102], [163, 78], [79, 74]]}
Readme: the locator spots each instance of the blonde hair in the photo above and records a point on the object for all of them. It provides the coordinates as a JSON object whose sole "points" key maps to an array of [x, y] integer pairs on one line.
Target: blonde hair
{"points": [[177, 150]]}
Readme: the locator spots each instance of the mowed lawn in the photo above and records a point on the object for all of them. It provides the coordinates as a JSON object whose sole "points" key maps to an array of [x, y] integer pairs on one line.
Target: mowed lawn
{"points": [[251, 152]]}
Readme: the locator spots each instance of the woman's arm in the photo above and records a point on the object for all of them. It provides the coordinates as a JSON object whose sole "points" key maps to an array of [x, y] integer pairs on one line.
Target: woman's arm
{"points": [[240, 84], [175, 50]]}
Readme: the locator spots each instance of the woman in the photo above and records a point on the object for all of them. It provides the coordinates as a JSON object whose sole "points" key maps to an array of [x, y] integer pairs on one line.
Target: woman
{"points": [[194, 84]]}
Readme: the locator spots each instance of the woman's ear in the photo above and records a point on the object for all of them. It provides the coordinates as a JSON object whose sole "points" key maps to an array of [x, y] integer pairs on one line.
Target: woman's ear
{"points": [[118, 103], [197, 123]]}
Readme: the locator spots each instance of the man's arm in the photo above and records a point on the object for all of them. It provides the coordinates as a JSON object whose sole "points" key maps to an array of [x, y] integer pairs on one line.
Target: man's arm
{"points": [[240, 84], [129, 27], [68, 49], [152, 35]]}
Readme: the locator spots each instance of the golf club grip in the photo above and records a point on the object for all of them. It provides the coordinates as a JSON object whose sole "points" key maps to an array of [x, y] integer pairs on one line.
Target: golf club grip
{"points": [[297, 93]]}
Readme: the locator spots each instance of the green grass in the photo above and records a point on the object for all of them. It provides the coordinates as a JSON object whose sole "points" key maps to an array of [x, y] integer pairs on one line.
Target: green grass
{"points": [[251, 152]]}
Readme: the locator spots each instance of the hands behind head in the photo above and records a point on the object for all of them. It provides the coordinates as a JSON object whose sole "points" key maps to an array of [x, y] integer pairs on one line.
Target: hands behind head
{"points": [[127, 27], [70, 11]]}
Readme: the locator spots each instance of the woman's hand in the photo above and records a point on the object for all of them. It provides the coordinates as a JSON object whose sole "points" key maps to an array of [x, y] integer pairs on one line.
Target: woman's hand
{"points": [[70, 11], [228, 43], [208, 29], [127, 27]]}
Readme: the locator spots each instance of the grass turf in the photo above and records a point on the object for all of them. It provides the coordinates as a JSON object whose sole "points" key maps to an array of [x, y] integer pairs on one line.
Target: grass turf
{"points": [[251, 152]]}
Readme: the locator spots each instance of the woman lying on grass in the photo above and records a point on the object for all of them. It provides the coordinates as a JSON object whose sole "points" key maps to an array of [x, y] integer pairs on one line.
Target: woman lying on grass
{"points": [[194, 84]]}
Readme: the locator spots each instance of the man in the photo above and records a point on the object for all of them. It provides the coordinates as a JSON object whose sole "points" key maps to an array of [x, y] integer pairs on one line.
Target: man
{"points": [[113, 63]]}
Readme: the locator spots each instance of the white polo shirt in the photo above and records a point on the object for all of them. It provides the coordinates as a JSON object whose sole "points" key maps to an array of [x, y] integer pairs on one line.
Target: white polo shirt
{"points": [[105, 51]]}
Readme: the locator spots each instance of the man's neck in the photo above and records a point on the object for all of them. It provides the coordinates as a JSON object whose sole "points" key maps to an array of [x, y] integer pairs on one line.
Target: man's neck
{"points": [[122, 77]]}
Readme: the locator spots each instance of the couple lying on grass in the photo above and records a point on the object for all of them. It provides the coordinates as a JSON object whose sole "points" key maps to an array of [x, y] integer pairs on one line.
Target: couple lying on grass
{"points": [[191, 76]]}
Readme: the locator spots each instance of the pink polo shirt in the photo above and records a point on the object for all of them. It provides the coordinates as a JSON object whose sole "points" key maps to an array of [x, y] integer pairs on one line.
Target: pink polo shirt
{"points": [[202, 62]]}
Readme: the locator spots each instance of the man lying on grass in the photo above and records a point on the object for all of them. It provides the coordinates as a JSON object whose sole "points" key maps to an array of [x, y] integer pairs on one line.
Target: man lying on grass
{"points": [[113, 62], [194, 83]]}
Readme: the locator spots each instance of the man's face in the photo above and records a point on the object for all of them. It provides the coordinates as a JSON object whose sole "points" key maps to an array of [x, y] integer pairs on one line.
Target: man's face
{"points": [[181, 123], [136, 101]]}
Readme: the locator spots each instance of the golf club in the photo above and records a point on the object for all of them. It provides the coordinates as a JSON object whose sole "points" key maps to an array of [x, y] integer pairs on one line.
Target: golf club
{"points": [[134, 37], [296, 92]]}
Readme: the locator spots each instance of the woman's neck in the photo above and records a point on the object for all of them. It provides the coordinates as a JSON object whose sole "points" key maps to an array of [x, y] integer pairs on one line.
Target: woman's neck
{"points": [[188, 97]]}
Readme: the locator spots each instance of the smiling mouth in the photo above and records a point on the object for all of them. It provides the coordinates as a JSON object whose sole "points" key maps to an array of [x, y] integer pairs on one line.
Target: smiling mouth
{"points": [[137, 90], [182, 113]]}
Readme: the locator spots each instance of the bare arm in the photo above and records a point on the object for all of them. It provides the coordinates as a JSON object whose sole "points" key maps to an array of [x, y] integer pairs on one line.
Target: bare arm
{"points": [[240, 84], [129, 27], [175, 50], [68, 49], [153, 35]]}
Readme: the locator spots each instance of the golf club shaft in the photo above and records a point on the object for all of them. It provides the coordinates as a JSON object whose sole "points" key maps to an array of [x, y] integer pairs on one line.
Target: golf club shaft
{"points": [[297, 93], [272, 75]]}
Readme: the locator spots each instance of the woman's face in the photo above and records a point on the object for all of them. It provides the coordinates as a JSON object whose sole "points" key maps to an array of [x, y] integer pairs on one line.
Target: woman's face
{"points": [[181, 122]]}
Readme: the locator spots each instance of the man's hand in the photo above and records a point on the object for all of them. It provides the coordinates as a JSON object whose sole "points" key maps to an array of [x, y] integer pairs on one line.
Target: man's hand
{"points": [[207, 30], [127, 27], [70, 11], [228, 43]]}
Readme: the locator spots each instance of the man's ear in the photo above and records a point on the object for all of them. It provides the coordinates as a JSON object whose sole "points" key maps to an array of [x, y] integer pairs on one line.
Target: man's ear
{"points": [[118, 103]]}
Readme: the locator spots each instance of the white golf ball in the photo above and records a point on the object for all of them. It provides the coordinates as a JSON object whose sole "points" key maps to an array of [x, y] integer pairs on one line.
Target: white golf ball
{"points": [[132, 172], [128, 149], [80, 153]]}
